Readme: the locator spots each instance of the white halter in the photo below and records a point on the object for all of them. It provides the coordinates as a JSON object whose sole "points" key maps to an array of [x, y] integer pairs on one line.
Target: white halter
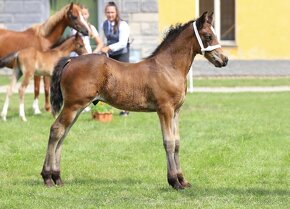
{"points": [[209, 48]]}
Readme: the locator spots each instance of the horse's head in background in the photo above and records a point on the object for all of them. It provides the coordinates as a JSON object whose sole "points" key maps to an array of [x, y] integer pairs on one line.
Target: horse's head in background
{"points": [[76, 19], [208, 42], [79, 46]]}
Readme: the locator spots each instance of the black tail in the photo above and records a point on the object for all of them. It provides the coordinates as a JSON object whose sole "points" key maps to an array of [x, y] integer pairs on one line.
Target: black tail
{"points": [[56, 98], [8, 60]]}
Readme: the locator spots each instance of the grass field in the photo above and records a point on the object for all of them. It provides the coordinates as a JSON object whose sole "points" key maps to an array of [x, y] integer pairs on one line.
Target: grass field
{"points": [[234, 151]]}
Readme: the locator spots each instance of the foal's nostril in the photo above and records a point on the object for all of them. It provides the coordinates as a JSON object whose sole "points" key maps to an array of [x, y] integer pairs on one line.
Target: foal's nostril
{"points": [[226, 61]]}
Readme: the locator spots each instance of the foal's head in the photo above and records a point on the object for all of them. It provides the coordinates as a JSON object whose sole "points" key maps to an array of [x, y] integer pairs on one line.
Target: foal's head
{"points": [[79, 46], [207, 39], [76, 19]]}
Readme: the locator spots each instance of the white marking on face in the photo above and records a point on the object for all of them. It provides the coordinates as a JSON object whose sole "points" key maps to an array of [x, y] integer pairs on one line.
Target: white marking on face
{"points": [[84, 21]]}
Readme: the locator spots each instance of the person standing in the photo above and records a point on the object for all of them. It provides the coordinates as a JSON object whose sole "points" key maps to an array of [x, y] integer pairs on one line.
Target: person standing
{"points": [[117, 33]]}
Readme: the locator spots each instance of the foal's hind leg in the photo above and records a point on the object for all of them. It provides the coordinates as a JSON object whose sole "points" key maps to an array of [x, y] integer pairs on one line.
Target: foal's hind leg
{"points": [[180, 177], [166, 121], [58, 132], [15, 76]]}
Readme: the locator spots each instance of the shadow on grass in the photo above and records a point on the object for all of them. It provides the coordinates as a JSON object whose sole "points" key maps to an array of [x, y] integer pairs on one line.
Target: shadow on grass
{"points": [[124, 182], [225, 191], [194, 191]]}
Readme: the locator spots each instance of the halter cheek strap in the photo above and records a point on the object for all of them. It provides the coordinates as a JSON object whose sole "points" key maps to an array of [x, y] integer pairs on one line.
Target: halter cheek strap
{"points": [[202, 49]]}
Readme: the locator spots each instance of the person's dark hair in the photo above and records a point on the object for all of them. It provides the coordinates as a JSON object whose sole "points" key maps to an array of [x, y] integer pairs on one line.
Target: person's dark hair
{"points": [[117, 21]]}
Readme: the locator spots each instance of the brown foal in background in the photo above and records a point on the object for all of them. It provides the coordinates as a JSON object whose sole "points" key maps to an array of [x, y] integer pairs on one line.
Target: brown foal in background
{"points": [[156, 84], [31, 61], [42, 37]]}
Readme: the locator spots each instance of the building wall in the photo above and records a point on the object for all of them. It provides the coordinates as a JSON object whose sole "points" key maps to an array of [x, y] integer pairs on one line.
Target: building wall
{"points": [[21, 14], [262, 30]]}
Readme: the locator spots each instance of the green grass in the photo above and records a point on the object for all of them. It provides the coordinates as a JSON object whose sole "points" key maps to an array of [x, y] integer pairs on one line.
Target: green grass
{"points": [[233, 82], [4, 80], [234, 151]]}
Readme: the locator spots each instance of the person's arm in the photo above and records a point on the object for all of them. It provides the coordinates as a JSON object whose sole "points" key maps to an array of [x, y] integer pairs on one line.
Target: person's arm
{"points": [[95, 36], [123, 38]]}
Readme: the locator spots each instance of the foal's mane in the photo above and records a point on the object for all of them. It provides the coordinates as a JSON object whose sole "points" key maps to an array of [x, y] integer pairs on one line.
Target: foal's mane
{"points": [[61, 41], [171, 35], [46, 27]]}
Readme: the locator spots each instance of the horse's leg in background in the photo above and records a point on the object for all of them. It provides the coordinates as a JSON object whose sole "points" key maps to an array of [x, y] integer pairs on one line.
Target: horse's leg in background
{"points": [[180, 177], [46, 81], [167, 123], [15, 76], [26, 78], [35, 104], [58, 132]]}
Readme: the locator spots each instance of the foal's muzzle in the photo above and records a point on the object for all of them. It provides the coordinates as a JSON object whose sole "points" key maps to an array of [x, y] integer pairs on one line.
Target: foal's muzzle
{"points": [[217, 58]]}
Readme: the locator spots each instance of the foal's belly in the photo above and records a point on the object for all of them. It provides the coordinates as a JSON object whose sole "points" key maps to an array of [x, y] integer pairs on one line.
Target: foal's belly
{"points": [[130, 101]]}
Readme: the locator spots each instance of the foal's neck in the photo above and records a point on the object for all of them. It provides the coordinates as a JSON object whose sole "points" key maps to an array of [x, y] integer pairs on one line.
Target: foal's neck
{"points": [[182, 51], [53, 28], [66, 47]]}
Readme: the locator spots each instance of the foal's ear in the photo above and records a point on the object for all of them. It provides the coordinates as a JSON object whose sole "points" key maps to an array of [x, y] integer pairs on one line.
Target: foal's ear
{"points": [[71, 6], [210, 18], [201, 20], [77, 35]]}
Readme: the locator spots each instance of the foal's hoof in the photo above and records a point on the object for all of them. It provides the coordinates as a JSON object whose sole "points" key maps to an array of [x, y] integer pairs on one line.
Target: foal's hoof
{"points": [[47, 109], [56, 179], [37, 112], [186, 184], [23, 119], [48, 182], [175, 184]]}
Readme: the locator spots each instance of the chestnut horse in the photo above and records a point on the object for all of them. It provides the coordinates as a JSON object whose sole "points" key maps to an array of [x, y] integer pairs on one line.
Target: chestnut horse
{"points": [[30, 61], [156, 84], [42, 37]]}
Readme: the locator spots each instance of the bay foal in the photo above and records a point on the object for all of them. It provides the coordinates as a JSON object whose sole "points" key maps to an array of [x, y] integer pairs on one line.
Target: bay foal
{"points": [[156, 84], [31, 61]]}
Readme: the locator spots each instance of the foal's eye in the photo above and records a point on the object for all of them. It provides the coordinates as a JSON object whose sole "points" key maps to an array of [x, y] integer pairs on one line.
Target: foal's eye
{"points": [[208, 38], [73, 17]]}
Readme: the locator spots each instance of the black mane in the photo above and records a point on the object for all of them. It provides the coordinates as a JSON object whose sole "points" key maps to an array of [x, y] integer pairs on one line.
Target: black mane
{"points": [[170, 36]]}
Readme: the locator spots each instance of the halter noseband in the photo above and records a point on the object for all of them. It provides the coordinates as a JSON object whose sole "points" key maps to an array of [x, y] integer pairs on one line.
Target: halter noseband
{"points": [[202, 49]]}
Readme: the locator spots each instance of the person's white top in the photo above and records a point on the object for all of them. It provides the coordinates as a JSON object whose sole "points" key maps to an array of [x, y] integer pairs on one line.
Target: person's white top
{"points": [[124, 32]]}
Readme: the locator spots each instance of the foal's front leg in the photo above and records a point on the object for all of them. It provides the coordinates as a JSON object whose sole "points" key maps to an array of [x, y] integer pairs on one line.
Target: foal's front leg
{"points": [[166, 121], [22, 89], [35, 104], [180, 177]]}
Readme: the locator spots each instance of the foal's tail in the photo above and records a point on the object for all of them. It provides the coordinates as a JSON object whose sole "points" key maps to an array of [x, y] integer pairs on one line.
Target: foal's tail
{"points": [[56, 98], [8, 60]]}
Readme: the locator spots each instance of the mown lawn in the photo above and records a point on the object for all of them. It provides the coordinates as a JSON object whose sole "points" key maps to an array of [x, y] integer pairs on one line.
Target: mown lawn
{"points": [[234, 151]]}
